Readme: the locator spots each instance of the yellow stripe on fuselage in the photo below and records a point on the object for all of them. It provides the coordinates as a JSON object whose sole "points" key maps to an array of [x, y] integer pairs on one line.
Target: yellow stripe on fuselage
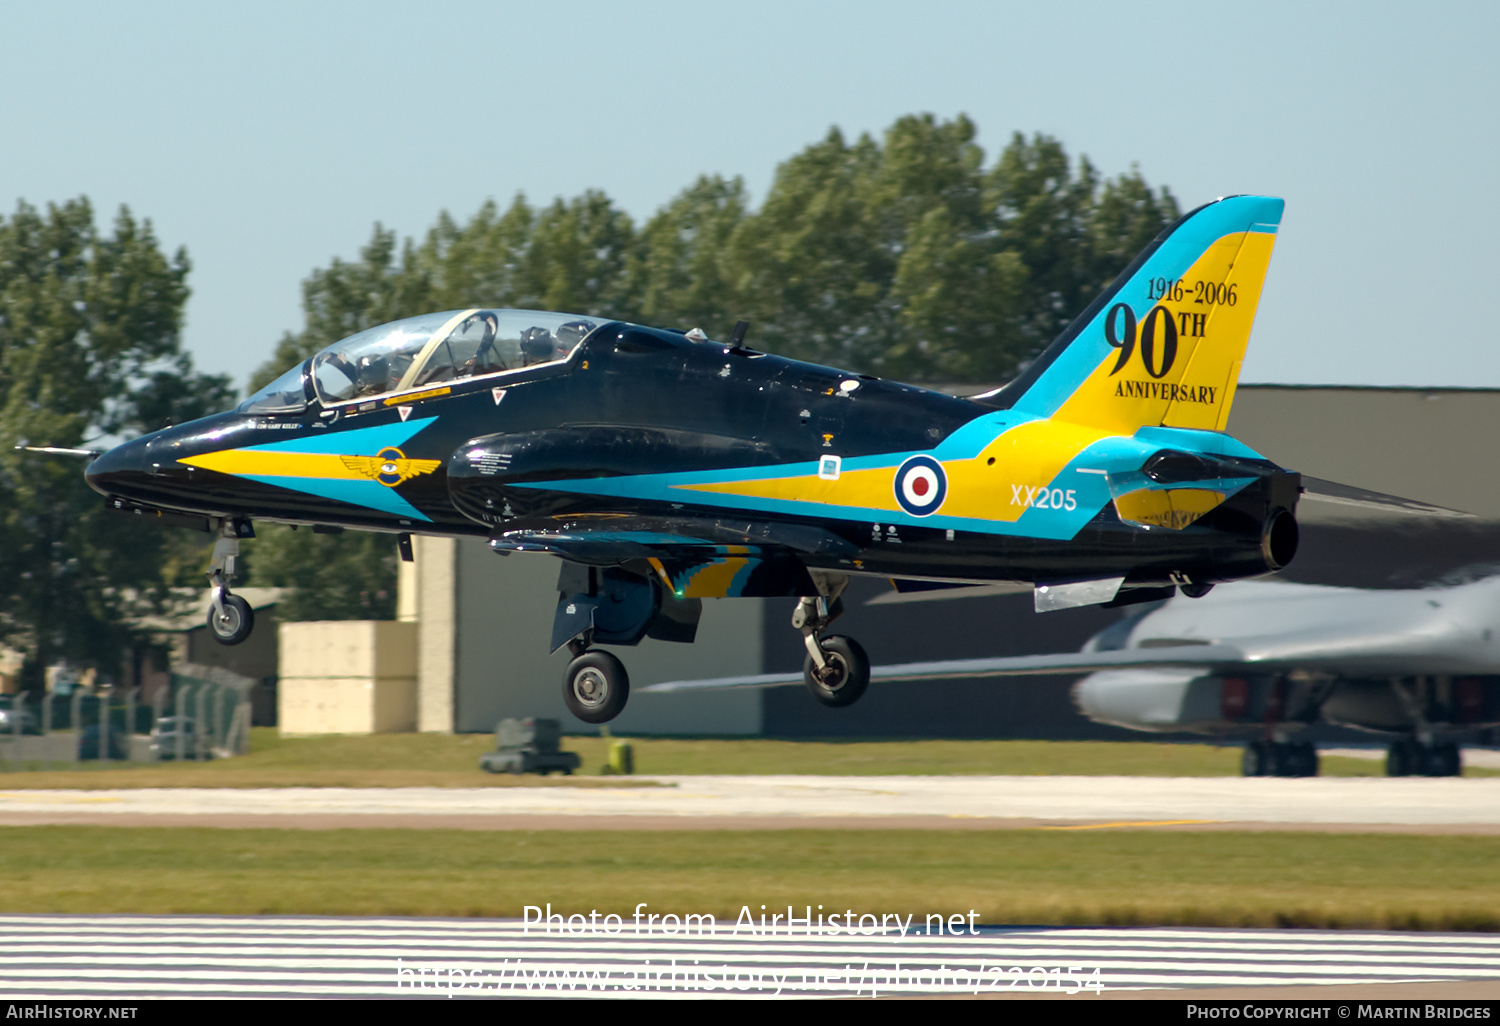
{"points": [[1030, 455], [250, 463]]}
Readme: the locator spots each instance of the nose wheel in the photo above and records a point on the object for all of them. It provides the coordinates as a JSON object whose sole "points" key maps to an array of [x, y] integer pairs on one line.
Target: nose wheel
{"points": [[230, 618], [596, 687]]}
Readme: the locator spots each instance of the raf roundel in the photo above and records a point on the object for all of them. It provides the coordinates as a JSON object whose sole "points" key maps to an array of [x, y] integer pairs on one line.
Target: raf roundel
{"points": [[921, 486]]}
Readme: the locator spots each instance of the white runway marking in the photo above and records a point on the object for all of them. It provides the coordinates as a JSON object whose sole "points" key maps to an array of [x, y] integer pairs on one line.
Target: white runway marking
{"points": [[1411, 801], [138, 957]]}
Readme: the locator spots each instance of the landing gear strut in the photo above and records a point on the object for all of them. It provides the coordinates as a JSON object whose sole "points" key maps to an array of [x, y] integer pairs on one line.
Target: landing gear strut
{"points": [[836, 669], [230, 618]]}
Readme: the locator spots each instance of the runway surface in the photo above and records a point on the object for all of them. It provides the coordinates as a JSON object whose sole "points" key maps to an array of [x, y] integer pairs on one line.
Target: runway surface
{"points": [[1350, 803], [121, 958]]}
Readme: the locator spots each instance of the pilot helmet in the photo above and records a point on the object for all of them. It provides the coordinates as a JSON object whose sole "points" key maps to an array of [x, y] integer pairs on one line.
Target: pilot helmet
{"points": [[571, 333], [536, 344], [374, 371]]}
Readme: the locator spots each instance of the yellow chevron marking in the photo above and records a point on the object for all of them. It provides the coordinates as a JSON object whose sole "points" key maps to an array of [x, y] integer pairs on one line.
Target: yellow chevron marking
{"points": [[390, 467], [249, 463]]}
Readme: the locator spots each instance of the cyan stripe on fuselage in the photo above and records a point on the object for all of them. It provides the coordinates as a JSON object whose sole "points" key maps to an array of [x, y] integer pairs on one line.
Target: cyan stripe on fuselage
{"points": [[1117, 453]]}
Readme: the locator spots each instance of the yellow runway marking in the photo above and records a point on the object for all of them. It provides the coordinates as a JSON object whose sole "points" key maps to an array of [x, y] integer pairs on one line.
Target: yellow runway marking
{"points": [[43, 796], [1133, 823]]}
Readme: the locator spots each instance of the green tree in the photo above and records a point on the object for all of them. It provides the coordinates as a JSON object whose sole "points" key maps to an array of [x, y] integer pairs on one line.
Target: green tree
{"points": [[907, 257], [681, 273], [89, 347], [1072, 232]]}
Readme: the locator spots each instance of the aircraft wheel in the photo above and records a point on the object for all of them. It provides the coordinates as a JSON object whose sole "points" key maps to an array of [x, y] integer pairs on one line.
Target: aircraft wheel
{"points": [[849, 676], [1444, 760], [596, 687], [1405, 758], [1297, 759], [1310, 765], [234, 624], [1257, 760]]}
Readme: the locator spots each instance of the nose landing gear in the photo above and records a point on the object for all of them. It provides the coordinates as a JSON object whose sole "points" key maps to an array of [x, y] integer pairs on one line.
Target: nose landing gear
{"points": [[230, 618]]}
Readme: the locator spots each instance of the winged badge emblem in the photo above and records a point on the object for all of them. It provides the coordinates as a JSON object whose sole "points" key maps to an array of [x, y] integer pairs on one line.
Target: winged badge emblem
{"points": [[389, 466]]}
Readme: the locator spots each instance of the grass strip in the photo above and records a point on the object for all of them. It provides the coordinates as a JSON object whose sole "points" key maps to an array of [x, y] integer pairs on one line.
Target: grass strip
{"points": [[1123, 877], [442, 760]]}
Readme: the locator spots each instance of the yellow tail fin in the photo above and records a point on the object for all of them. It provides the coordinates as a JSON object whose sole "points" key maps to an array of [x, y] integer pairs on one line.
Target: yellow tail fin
{"points": [[1164, 344]]}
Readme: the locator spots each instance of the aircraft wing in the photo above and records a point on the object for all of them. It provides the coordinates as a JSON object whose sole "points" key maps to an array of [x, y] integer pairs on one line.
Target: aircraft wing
{"points": [[694, 557], [1351, 653], [1005, 666], [609, 538]]}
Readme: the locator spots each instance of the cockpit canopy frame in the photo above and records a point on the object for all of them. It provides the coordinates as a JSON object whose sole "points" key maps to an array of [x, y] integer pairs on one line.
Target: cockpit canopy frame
{"points": [[423, 352]]}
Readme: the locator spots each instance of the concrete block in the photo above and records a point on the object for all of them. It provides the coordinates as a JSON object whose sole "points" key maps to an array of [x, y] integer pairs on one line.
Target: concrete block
{"points": [[347, 677]]}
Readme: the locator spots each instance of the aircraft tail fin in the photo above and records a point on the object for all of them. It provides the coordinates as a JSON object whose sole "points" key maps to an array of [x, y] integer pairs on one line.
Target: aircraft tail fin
{"points": [[1162, 346]]}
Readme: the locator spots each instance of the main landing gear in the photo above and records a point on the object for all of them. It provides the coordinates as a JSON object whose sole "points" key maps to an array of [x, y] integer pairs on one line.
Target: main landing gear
{"points": [[1410, 757], [230, 618], [611, 606], [1280, 759], [836, 669], [595, 685]]}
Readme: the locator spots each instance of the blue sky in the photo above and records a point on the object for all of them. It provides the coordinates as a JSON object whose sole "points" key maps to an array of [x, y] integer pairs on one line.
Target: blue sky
{"points": [[269, 138]]}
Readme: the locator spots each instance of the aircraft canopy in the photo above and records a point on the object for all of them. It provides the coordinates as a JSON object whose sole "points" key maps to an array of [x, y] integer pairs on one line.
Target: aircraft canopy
{"points": [[425, 351]]}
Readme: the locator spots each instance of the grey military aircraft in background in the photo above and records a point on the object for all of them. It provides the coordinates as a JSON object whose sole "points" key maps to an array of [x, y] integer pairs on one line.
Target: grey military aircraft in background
{"points": [[1264, 660]]}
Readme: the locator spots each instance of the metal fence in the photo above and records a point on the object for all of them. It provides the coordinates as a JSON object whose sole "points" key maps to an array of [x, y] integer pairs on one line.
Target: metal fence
{"points": [[204, 714]]}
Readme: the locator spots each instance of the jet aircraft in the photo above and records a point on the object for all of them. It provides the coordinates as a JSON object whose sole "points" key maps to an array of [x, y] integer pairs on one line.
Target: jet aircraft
{"points": [[1264, 660], [664, 468]]}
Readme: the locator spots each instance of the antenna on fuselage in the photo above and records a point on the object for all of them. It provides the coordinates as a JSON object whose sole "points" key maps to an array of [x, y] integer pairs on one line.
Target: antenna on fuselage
{"points": [[737, 336]]}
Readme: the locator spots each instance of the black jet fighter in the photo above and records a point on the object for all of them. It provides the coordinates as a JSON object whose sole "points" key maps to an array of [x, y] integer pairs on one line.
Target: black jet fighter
{"points": [[664, 468]]}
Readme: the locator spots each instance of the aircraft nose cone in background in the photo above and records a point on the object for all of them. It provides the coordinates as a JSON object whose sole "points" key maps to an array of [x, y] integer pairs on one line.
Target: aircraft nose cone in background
{"points": [[117, 470]]}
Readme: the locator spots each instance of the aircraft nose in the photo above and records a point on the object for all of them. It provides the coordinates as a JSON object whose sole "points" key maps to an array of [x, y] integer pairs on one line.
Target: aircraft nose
{"points": [[114, 472]]}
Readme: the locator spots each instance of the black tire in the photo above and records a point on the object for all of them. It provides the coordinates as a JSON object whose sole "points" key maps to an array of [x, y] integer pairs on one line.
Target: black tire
{"points": [[1296, 759], [1256, 762], [1310, 766], [852, 674], [1444, 760], [236, 623], [1405, 758], [596, 687]]}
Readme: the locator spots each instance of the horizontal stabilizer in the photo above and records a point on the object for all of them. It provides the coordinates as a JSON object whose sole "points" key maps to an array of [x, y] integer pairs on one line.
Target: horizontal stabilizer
{"points": [[1359, 501]]}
